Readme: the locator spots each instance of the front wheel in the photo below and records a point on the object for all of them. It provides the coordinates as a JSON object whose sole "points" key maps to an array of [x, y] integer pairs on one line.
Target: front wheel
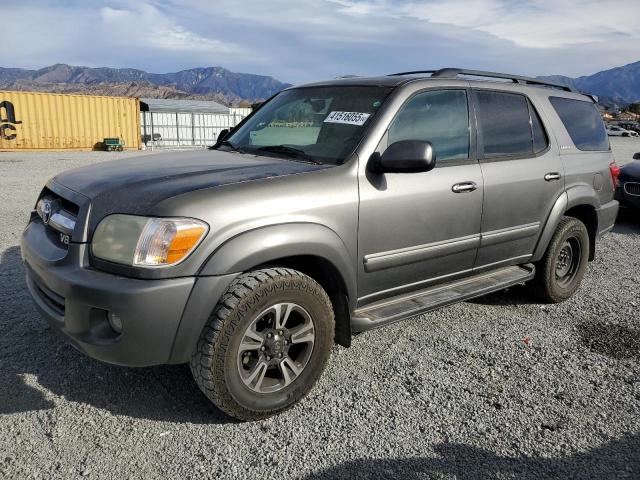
{"points": [[559, 273], [266, 343]]}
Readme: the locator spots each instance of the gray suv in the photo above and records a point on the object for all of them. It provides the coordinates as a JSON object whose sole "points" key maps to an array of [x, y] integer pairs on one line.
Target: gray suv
{"points": [[335, 208]]}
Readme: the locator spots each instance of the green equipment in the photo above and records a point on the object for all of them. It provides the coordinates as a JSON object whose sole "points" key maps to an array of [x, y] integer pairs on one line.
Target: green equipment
{"points": [[111, 144]]}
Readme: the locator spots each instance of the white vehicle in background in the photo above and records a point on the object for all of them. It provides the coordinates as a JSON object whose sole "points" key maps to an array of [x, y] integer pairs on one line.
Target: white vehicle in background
{"points": [[615, 131]]}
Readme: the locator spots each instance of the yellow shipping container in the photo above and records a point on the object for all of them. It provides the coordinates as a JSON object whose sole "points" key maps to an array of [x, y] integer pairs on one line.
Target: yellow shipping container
{"points": [[54, 121]]}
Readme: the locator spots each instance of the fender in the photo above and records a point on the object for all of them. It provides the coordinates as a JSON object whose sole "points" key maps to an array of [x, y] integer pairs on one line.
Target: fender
{"points": [[582, 194], [266, 244], [550, 226], [246, 251], [577, 195]]}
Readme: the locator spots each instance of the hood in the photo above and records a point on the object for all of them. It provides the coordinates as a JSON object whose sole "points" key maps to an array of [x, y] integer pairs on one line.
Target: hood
{"points": [[136, 184], [631, 171]]}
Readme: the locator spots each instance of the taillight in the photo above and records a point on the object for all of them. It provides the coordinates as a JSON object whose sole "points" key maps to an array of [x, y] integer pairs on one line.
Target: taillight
{"points": [[615, 173]]}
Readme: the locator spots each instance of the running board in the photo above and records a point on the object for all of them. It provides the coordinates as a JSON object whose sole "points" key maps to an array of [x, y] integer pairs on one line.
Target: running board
{"points": [[400, 307]]}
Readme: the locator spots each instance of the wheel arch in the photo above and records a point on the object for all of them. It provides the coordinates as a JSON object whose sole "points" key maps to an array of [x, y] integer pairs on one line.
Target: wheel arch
{"points": [[578, 202], [312, 249], [586, 213], [330, 279]]}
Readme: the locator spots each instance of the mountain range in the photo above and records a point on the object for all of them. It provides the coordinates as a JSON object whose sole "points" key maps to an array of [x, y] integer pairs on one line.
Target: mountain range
{"points": [[615, 87], [210, 82], [618, 86]]}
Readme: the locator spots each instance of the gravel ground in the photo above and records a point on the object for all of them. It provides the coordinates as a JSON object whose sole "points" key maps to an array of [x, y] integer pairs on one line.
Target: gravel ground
{"points": [[500, 387]]}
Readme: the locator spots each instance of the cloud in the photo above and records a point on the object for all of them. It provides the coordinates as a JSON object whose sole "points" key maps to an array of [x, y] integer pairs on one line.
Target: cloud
{"points": [[535, 23], [150, 28], [313, 39], [123, 34]]}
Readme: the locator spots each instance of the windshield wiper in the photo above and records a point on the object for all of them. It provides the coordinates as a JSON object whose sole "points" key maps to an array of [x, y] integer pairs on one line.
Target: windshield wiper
{"points": [[289, 151]]}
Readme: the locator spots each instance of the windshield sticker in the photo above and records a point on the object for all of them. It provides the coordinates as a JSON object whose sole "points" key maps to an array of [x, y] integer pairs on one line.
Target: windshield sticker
{"points": [[349, 118]]}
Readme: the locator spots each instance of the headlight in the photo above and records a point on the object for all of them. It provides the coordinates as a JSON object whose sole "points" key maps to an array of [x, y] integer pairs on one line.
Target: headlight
{"points": [[146, 242]]}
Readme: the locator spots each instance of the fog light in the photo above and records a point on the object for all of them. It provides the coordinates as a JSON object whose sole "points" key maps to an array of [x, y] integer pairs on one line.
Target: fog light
{"points": [[115, 321]]}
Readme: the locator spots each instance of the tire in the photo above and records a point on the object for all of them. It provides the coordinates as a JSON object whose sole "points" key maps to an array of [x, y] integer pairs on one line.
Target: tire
{"points": [[625, 134], [280, 365], [559, 273]]}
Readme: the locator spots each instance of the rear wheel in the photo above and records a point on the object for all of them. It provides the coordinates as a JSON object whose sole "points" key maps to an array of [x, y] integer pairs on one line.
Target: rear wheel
{"points": [[266, 344], [559, 273]]}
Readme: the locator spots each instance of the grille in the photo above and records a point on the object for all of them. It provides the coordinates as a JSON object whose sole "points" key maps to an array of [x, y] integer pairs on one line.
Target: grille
{"points": [[66, 205], [632, 188], [56, 212]]}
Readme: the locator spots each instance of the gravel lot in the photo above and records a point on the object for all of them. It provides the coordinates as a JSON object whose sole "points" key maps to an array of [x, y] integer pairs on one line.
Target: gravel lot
{"points": [[501, 387]]}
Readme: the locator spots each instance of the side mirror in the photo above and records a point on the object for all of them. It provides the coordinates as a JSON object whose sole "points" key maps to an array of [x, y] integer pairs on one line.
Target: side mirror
{"points": [[406, 156], [636, 156], [223, 134]]}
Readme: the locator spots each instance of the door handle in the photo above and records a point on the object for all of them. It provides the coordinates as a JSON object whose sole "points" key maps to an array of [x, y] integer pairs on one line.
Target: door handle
{"points": [[551, 176], [464, 187]]}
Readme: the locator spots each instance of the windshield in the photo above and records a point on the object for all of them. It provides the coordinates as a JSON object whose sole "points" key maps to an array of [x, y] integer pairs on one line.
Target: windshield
{"points": [[318, 124]]}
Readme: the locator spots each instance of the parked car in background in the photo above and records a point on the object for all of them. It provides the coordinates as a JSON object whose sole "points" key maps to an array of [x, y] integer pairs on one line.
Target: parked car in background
{"points": [[628, 188], [627, 125], [615, 131]]}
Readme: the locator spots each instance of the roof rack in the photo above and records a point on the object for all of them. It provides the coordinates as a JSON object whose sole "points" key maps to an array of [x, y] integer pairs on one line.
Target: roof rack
{"points": [[454, 72]]}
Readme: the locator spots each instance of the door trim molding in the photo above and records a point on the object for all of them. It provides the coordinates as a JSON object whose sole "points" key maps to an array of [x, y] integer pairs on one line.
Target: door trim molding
{"points": [[419, 253], [510, 234]]}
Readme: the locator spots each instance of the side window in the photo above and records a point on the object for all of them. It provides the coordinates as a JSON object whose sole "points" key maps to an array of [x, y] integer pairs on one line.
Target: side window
{"points": [[438, 116], [540, 139], [583, 122], [504, 124]]}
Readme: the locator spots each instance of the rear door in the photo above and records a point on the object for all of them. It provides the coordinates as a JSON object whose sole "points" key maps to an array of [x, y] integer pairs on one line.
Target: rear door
{"points": [[523, 176]]}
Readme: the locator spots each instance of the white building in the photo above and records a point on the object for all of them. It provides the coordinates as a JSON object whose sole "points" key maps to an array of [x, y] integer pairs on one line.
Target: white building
{"points": [[185, 123]]}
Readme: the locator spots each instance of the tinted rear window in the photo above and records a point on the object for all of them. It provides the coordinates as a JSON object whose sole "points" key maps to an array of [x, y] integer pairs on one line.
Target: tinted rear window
{"points": [[504, 124], [583, 122]]}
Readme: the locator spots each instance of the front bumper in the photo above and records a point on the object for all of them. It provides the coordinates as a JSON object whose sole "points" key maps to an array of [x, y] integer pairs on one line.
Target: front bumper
{"points": [[627, 199], [75, 300]]}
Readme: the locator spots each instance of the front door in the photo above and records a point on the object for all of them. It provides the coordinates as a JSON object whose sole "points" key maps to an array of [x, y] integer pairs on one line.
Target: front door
{"points": [[419, 228]]}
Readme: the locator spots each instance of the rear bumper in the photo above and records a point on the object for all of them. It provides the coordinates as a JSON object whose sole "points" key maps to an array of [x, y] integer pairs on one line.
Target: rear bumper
{"points": [[76, 299], [607, 214]]}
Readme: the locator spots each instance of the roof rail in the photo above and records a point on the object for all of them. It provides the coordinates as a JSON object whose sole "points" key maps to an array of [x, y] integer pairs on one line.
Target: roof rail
{"points": [[454, 72]]}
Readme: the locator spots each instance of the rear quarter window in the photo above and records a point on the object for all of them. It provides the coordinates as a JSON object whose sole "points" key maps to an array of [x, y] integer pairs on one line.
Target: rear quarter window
{"points": [[583, 123]]}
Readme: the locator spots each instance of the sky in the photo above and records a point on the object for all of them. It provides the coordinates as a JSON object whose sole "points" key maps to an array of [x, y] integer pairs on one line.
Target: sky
{"points": [[304, 40]]}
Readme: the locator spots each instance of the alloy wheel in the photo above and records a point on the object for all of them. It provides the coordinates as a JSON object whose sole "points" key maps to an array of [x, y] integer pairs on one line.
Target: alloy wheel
{"points": [[276, 347]]}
